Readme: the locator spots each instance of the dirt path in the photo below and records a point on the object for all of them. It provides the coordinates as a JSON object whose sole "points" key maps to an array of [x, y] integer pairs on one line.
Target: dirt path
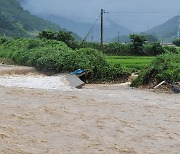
{"points": [[96, 120]]}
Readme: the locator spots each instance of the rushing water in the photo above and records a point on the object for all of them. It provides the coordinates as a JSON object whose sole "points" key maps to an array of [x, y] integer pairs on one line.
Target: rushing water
{"points": [[37, 81]]}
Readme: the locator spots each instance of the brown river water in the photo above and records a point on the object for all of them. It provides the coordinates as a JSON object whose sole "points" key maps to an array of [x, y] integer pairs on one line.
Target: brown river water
{"points": [[48, 116]]}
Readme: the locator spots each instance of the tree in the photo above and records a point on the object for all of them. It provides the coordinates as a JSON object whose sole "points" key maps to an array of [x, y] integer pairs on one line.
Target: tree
{"points": [[63, 36], [137, 43]]}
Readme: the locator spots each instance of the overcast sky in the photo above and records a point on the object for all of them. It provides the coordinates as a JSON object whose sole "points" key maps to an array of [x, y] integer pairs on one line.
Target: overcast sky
{"points": [[137, 15]]}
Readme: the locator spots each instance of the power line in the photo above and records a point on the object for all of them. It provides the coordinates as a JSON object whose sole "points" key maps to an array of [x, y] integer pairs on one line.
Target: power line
{"points": [[91, 29], [138, 12]]}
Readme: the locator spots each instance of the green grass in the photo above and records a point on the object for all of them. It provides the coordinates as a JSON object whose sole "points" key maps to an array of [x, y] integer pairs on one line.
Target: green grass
{"points": [[131, 62]]}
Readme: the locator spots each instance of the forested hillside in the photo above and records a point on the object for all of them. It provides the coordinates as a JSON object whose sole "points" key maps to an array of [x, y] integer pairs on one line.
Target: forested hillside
{"points": [[14, 21]]}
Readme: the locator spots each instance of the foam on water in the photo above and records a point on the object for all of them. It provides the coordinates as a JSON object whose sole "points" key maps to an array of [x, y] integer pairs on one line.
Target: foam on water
{"points": [[38, 82]]}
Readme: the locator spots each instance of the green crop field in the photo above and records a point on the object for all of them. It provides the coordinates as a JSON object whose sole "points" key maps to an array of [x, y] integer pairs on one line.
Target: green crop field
{"points": [[132, 62]]}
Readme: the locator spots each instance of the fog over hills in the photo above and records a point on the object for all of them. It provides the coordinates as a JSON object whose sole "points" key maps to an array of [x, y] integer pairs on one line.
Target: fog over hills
{"points": [[167, 31], [110, 28], [138, 16]]}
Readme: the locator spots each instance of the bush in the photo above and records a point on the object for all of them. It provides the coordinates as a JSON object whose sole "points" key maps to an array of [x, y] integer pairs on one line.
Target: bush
{"points": [[164, 67], [54, 56], [171, 49], [153, 49], [3, 40], [62, 36]]}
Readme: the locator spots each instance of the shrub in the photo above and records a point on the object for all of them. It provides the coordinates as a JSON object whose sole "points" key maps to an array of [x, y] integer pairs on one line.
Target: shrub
{"points": [[62, 36], [55, 56], [171, 49], [3, 40], [153, 49], [164, 67]]}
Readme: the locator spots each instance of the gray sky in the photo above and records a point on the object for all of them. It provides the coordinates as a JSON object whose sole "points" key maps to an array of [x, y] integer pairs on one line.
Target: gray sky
{"points": [[137, 15]]}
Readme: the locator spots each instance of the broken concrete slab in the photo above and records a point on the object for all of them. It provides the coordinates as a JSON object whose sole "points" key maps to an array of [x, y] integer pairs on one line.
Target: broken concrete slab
{"points": [[74, 81]]}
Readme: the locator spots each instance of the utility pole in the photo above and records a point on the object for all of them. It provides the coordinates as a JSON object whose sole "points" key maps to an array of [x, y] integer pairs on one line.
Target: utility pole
{"points": [[102, 31], [102, 27]]}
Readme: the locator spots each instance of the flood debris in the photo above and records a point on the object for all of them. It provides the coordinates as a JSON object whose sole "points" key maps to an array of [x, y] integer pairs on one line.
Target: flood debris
{"points": [[74, 81], [159, 84], [174, 86]]}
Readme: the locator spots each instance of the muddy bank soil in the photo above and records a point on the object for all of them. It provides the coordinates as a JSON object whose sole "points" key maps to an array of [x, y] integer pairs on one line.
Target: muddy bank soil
{"points": [[99, 119]]}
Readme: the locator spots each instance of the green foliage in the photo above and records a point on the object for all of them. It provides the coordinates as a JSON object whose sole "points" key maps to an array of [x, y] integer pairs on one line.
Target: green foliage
{"points": [[3, 40], [16, 22], [126, 39], [138, 42], [63, 36], [55, 56], [138, 47], [171, 49], [164, 67], [153, 49]]}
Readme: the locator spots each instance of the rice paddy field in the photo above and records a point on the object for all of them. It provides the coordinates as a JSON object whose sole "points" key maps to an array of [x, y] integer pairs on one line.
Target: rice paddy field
{"points": [[131, 62]]}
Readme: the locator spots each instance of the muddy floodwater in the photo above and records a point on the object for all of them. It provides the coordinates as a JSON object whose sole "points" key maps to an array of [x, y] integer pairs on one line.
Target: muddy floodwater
{"points": [[40, 114]]}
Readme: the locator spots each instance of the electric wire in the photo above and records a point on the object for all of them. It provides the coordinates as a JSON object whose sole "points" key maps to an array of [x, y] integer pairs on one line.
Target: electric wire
{"points": [[90, 30], [143, 12], [156, 14]]}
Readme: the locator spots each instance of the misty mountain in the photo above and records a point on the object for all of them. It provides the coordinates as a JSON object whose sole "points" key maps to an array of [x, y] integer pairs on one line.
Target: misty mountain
{"points": [[110, 28], [17, 22], [166, 31]]}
